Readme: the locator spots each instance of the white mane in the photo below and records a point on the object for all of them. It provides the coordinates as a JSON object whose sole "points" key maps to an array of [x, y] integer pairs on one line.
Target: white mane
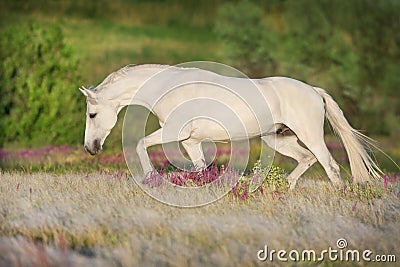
{"points": [[122, 72]]}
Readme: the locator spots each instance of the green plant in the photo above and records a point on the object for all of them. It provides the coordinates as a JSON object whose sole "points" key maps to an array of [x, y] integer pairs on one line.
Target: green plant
{"points": [[246, 42], [275, 177], [39, 103], [348, 47]]}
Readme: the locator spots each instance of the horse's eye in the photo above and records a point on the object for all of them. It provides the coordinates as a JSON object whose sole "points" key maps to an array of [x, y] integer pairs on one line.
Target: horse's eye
{"points": [[92, 115]]}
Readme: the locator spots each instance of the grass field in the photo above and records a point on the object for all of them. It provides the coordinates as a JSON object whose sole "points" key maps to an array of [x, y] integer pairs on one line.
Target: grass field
{"points": [[102, 219], [61, 207]]}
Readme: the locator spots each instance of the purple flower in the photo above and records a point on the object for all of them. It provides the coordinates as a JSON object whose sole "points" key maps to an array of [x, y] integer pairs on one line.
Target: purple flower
{"points": [[354, 206], [153, 179], [3, 154]]}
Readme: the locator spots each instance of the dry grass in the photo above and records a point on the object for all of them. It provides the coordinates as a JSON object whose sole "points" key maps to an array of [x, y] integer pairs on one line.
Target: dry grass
{"points": [[105, 220]]}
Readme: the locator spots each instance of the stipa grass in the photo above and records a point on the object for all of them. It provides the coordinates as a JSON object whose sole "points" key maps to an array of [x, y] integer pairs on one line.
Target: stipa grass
{"points": [[371, 190], [103, 219]]}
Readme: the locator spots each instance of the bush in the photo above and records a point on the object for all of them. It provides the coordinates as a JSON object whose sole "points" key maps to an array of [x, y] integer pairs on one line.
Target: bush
{"points": [[246, 42], [40, 103], [352, 48]]}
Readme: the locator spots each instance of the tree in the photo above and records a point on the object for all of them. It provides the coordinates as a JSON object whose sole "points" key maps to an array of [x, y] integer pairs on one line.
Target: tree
{"points": [[40, 103], [246, 43], [348, 47]]}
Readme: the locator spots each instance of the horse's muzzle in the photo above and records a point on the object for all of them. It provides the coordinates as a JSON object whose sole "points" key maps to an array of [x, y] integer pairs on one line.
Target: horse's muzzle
{"points": [[95, 149]]}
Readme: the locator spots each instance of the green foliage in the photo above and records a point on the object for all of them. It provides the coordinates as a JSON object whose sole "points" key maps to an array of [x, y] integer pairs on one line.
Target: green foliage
{"points": [[355, 44], [245, 40], [351, 48], [39, 103], [275, 177], [273, 180]]}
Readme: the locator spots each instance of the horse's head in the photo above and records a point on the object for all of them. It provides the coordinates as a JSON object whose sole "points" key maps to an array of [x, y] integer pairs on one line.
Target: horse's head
{"points": [[101, 117]]}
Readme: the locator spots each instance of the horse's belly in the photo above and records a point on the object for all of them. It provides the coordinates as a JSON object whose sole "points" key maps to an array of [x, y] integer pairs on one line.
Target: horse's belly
{"points": [[204, 128]]}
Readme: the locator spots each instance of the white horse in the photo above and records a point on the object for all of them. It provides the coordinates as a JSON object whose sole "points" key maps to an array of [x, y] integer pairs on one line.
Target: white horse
{"points": [[294, 129]]}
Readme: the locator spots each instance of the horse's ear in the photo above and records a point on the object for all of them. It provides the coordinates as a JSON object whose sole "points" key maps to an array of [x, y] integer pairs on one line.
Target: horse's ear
{"points": [[89, 94], [82, 89]]}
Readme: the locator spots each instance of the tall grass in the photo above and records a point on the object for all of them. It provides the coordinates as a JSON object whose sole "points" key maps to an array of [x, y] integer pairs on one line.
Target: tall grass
{"points": [[103, 219], [61, 207]]}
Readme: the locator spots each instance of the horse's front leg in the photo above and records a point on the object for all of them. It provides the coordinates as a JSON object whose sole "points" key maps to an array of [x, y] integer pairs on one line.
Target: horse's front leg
{"points": [[152, 139], [141, 149]]}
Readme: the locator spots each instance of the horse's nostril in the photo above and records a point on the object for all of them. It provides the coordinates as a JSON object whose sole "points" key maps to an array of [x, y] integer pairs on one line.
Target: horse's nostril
{"points": [[96, 145], [88, 150], [96, 148]]}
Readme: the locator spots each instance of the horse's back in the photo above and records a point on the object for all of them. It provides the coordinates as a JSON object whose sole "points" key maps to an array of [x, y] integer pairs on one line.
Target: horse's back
{"points": [[297, 101]]}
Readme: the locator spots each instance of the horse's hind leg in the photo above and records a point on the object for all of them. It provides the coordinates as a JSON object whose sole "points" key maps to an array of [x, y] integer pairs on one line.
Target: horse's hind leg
{"points": [[195, 152], [288, 145], [314, 140], [331, 167]]}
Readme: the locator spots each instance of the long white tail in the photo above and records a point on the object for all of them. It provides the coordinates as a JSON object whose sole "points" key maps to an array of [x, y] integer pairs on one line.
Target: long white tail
{"points": [[362, 165]]}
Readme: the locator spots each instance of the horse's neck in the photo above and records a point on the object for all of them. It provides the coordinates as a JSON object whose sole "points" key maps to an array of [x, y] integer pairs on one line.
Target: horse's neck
{"points": [[126, 88]]}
